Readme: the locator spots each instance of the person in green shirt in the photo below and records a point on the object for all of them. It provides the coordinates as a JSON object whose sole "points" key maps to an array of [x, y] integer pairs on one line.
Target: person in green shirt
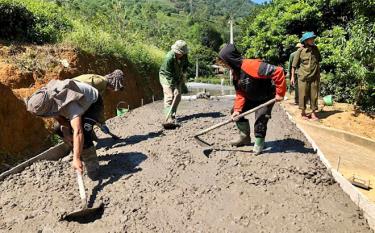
{"points": [[171, 76], [307, 60], [295, 87]]}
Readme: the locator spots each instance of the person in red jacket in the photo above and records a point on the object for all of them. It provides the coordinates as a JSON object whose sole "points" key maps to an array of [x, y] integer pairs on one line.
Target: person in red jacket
{"points": [[255, 82]]}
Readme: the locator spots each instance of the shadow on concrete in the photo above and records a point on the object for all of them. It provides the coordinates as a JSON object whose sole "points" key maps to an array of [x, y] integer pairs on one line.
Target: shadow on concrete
{"points": [[134, 139], [325, 114], [287, 146], [201, 115], [118, 166]]}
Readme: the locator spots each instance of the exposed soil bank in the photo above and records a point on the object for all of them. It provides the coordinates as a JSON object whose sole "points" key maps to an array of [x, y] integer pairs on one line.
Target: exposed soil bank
{"points": [[23, 69], [17, 127], [155, 181]]}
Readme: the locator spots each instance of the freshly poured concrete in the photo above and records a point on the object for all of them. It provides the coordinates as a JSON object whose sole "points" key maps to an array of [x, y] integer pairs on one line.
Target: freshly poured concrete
{"points": [[159, 181]]}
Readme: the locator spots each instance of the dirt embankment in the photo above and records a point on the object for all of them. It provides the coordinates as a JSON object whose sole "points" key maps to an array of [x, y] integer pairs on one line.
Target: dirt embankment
{"points": [[23, 69], [159, 181], [340, 116], [20, 131]]}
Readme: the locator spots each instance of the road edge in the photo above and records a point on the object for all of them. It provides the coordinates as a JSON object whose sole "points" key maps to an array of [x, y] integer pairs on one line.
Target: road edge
{"points": [[357, 197]]}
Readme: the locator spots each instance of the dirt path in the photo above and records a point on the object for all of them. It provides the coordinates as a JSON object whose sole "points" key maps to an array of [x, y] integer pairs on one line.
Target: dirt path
{"points": [[155, 181]]}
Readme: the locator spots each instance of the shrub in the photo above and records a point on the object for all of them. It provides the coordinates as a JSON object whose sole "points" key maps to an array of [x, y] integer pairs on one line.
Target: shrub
{"points": [[32, 21], [346, 40], [16, 22], [94, 40]]}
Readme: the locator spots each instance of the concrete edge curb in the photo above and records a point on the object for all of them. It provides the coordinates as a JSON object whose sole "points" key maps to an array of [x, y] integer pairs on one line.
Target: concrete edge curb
{"points": [[357, 197], [53, 153], [349, 137]]}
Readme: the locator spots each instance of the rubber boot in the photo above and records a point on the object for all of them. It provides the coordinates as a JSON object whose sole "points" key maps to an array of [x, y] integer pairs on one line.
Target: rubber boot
{"points": [[258, 146], [244, 137]]}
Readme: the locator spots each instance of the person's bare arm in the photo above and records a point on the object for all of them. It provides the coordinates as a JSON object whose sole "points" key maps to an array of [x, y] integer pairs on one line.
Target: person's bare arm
{"points": [[77, 143], [292, 81], [65, 129]]}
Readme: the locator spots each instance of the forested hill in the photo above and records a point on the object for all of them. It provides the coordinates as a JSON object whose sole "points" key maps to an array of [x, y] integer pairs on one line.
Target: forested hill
{"points": [[238, 8], [139, 30]]}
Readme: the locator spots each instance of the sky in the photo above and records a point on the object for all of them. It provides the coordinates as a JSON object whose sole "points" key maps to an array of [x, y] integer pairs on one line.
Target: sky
{"points": [[259, 1]]}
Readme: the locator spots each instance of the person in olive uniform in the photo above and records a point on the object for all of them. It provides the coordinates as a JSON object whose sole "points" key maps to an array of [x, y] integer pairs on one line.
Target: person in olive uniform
{"points": [[307, 61], [291, 58]]}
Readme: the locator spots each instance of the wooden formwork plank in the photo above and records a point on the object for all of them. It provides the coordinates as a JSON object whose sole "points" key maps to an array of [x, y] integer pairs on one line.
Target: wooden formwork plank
{"points": [[54, 153]]}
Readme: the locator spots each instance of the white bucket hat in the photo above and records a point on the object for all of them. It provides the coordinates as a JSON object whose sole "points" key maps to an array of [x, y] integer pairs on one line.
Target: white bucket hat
{"points": [[180, 47]]}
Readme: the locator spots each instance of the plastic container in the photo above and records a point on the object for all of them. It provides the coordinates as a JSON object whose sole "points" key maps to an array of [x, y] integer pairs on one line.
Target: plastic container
{"points": [[121, 111], [328, 100]]}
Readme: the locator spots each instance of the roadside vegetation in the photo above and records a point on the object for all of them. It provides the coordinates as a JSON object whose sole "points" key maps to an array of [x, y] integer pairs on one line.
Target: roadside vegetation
{"points": [[142, 31], [346, 31]]}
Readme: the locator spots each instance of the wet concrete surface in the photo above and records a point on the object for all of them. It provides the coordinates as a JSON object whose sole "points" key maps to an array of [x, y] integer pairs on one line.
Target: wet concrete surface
{"points": [[154, 180]]}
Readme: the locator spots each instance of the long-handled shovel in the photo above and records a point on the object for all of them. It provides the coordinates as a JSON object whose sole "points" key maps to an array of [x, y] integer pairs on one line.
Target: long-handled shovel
{"points": [[84, 215], [170, 125], [207, 146]]}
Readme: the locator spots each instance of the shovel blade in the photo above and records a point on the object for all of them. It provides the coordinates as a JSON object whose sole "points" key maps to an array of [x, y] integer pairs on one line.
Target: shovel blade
{"points": [[85, 215], [170, 126], [207, 150], [201, 142]]}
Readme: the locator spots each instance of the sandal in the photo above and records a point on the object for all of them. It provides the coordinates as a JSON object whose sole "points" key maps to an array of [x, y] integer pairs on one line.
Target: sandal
{"points": [[314, 118], [305, 117]]}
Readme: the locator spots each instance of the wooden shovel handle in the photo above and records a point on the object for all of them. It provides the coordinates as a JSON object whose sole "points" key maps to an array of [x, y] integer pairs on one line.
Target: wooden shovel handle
{"points": [[170, 110], [81, 186], [239, 116]]}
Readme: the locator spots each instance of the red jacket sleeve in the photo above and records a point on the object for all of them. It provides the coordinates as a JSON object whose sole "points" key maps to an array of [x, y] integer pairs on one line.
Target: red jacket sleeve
{"points": [[279, 79], [240, 100]]}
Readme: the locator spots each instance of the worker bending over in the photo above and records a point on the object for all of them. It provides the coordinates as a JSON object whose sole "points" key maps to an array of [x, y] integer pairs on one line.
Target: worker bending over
{"points": [[77, 107], [255, 82], [112, 82]]}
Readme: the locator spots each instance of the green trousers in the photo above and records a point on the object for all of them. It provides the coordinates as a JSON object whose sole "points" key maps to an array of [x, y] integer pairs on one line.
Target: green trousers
{"points": [[308, 91], [296, 96]]}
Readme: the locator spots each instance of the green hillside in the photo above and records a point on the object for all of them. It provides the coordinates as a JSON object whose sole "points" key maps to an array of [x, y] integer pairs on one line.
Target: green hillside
{"points": [[140, 31]]}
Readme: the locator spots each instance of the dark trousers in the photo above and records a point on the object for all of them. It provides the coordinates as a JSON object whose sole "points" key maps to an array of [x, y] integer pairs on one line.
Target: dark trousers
{"points": [[261, 116], [296, 96], [89, 119]]}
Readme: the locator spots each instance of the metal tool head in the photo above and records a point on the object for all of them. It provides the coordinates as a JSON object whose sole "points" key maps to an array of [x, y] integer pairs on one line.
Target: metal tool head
{"points": [[170, 126], [207, 150], [201, 142], [85, 215]]}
